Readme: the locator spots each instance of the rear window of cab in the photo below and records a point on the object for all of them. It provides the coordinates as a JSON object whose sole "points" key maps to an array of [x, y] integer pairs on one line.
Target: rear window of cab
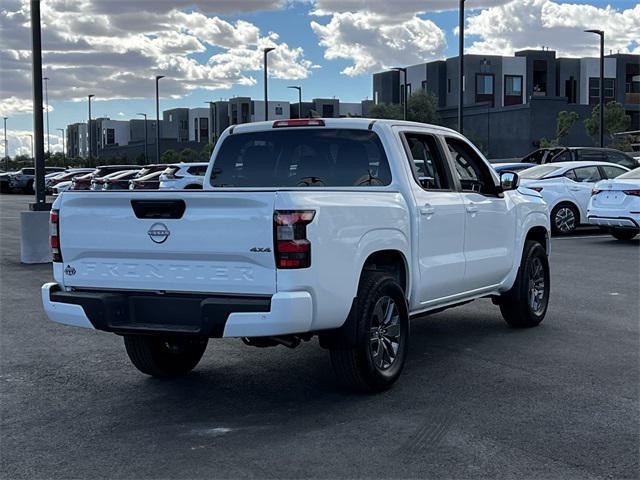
{"points": [[302, 157]]}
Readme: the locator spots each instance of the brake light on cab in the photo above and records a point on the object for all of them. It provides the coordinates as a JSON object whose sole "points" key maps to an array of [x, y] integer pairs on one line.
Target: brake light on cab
{"points": [[299, 122], [292, 248], [54, 232]]}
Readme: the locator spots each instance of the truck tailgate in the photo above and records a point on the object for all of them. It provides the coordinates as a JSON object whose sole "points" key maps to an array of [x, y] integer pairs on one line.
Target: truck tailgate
{"points": [[217, 242]]}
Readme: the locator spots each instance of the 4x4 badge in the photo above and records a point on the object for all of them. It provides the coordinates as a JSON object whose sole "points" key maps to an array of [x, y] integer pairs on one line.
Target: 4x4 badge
{"points": [[70, 271]]}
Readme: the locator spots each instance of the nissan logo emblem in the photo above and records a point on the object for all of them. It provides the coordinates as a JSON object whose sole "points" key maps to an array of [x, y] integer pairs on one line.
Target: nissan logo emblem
{"points": [[159, 233]]}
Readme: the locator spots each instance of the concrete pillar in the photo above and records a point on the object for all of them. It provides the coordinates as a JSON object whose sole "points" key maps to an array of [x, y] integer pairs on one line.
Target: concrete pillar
{"points": [[34, 237]]}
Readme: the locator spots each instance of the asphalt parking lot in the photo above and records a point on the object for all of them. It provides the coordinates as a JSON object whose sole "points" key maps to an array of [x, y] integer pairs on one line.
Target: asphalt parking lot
{"points": [[476, 400]]}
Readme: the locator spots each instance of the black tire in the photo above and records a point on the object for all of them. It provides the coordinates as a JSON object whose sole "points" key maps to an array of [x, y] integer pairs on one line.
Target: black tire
{"points": [[565, 218], [517, 305], [358, 368], [624, 234], [164, 356]]}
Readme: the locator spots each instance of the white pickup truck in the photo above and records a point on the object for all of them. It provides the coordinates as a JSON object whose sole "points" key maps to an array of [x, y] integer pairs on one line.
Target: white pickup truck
{"points": [[341, 228]]}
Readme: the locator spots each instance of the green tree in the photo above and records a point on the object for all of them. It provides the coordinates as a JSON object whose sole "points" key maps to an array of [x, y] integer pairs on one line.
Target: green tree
{"points": [[189, 155], [564, 122], [422, 107], [206, 152], [169, 156], [615, 120]]}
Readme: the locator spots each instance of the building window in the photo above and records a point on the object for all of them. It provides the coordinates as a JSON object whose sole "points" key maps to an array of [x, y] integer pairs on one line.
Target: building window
{"points": [[632, 84], [278, 110], [253, 107], [171, 117], [110, 136], [327, 111], [512, 89], [539, 78], [448, 85], [204, 129], [594, 90], [571, 90], [484, 88], [424, 85]]}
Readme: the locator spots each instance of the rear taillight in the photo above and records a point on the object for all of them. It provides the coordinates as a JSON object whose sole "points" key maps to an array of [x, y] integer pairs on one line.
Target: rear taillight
{"points": [[635, 193], [292, 248], [595, 191], [54, 231]]}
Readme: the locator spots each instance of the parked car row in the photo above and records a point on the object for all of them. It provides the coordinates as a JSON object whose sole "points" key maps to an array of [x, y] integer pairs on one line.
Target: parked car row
{"points": [[108, 177]]}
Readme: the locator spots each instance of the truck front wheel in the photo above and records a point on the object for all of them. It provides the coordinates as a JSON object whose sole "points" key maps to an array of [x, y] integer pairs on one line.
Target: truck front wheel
{"points": [[164, 356], [376, 360], [525, 305]]}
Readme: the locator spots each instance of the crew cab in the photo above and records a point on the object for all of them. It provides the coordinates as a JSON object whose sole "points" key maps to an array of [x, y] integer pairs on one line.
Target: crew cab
{"points": [[343, 229]]}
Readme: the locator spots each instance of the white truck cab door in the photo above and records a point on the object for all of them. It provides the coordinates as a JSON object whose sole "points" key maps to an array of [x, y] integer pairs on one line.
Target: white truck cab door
{"points": [[439, 221], [490, 218]]}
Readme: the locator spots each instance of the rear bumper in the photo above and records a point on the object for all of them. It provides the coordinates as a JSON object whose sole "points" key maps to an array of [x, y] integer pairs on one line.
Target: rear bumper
{"points": [[211, 316], [613, 222]]}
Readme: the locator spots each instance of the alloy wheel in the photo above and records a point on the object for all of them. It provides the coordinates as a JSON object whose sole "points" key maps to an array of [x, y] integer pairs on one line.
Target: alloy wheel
{"points": [[565, 220], [385, 333], [537, 280]]}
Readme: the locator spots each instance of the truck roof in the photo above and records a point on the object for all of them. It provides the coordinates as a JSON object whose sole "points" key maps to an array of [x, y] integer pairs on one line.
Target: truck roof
{"points": [[348, 122]]}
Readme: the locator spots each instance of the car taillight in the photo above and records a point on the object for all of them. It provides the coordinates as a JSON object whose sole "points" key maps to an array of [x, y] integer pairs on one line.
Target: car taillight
{"points": [[537, 189], [292, 248], [635, 193], [299, 122], [595, 191], [54, 231]]}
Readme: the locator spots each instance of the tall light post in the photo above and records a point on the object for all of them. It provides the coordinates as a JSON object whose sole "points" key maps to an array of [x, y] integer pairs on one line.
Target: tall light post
{"points": [[461, 66], [64, 151], [601, 34], [38, 130], [89, 97], [299, 89], [158, 77], [213, 111], [6, 149], [46, 101], [266, 93], [146, 157], [31, 137], [405, 96]]}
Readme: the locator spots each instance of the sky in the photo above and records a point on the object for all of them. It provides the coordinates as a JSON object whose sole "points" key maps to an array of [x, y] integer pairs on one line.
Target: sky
{"points": [[212, 49]]}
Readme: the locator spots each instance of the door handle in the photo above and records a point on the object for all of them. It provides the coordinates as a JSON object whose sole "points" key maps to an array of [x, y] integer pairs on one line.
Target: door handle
{"points": [[427, 209], [472, 208]]}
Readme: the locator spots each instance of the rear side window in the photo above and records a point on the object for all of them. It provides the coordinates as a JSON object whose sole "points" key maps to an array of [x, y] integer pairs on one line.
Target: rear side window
{"points": [[591, 155], [620, 159], [303, 157], [198, 170]]}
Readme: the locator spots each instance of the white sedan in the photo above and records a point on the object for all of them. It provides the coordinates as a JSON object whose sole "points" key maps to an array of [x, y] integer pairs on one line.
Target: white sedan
{"points": [[615, 205], [566, 187]]}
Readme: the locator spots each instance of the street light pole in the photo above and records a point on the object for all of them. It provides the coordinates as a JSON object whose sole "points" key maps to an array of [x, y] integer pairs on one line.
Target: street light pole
{"points": [[404, 99], [46, 100], [461, 66], [296, 87], [64, 154], [158, 77], [146, 157], [38, 127], [266, 96], [6, 150], [601, 34], [89, 97]]}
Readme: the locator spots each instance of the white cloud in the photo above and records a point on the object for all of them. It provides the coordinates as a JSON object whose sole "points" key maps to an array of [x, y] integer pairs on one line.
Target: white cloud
{"points": [[114, 48], [525, 24], [20, 142], [397, 9], [372, 41]]}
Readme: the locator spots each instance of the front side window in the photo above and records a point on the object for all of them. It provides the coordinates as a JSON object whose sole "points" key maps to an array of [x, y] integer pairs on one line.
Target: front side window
{"points": [[473, 174], [612, 172], [302, 157], [426, 162]]}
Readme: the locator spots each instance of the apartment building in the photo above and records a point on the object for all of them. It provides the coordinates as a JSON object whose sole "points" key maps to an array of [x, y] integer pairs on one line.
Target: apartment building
{"points": [[512, 102]]}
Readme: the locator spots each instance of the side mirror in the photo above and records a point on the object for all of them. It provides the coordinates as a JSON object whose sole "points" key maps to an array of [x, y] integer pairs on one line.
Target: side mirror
{"points": [[509, 181]]}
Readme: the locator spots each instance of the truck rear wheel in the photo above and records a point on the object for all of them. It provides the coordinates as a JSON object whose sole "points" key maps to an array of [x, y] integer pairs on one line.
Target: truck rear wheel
{"points": [[525, 305], [164, 356], [382, 335]]}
